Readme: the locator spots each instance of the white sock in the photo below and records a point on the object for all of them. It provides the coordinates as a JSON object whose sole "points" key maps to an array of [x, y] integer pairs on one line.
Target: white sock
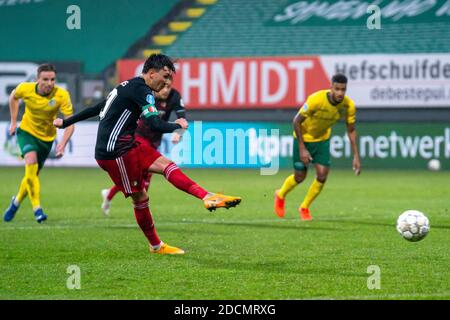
{"points": [[209, 194], [157, 246]]}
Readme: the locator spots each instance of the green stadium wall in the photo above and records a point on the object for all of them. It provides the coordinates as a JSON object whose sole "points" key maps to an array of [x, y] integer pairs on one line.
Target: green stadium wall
{"points": [[38, 31]]}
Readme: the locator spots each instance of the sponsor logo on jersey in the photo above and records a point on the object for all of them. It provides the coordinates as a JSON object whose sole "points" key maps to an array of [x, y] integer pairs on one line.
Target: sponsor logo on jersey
{"points": [[150, 99], [52, 103]]}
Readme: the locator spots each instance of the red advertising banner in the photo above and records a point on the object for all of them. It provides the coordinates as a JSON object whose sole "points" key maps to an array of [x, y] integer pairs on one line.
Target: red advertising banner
{"points": [[127, 69], [375, 80], [242, 83]]}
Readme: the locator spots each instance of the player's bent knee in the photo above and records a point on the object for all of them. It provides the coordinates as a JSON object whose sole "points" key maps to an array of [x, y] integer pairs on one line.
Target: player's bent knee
{"points": [[31, 158], [300, 176], [159, 165], [139, 196]]}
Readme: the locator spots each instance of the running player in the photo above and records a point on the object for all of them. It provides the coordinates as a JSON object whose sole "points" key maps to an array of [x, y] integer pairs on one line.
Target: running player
{"points": [[312, 131], [36, 133]]}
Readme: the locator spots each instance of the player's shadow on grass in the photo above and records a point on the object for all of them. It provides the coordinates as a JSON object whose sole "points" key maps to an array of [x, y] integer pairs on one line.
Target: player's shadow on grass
{"points": [[363, 222], [199, 226], [170, 228], [274, 225], [374, 223], [439, 227]]}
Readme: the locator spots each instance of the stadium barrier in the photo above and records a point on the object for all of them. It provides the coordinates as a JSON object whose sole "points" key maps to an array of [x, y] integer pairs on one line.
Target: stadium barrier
{"points": [[12, 73], [266, 145], [376, 80]]}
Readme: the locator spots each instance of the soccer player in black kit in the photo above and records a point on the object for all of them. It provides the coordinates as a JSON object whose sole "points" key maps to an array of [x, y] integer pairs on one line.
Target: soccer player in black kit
{"points": [[128, 160], [167, 100]]}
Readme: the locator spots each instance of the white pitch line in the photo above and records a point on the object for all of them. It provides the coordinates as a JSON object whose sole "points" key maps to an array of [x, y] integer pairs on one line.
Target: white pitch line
{"points": [[181, 222]]}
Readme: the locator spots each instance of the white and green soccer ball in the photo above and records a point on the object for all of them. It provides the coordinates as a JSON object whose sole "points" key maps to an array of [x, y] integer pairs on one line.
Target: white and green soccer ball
{"points": [[413, 225]]}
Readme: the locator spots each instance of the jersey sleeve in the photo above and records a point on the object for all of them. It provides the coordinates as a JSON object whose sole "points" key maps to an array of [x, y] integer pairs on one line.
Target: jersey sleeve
{"points": [[178, 107], [156, 124], [66, 107], [351, 113], [20, 90], [309, 107], [85, 114], [143, 96]]}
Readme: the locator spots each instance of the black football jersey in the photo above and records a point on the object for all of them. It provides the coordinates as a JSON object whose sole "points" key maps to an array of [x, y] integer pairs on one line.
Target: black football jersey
{"points": [[173, 103], [118, 114], [118, 119]]}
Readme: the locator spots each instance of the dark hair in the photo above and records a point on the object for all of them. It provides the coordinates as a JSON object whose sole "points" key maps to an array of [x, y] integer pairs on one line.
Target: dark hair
{"points": [[158, 62], [46, 67], [339, 78]]}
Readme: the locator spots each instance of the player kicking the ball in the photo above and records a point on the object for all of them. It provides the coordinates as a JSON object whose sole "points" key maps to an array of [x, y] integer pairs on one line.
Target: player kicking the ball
{"points": [[128, 160], [312, 130], [167, 100]]}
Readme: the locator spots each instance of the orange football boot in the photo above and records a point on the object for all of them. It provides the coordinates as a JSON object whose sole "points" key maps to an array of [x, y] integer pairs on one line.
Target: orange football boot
{"points": [[305, 214], [279, 205], [166, 249], [218, 200]]}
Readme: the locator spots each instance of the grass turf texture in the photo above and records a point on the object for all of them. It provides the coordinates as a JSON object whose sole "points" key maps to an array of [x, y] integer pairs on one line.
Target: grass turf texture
{"points": [[242, 253]]}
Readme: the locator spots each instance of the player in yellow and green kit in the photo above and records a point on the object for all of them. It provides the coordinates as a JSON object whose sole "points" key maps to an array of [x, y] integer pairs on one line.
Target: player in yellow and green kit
{"points": [[312, 131], [36, 133]]}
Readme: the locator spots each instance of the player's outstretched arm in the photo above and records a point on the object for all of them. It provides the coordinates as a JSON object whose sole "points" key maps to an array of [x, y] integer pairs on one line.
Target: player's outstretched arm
{"points": [[351, 132], [165, 127], [80, 116]]}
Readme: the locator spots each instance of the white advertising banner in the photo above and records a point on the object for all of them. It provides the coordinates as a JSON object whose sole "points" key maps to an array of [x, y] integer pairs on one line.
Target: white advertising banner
{"points": [[79, 152], [395, 80]]}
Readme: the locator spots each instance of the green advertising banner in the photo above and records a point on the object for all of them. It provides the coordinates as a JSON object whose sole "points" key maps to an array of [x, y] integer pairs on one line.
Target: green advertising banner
{"points": [[384, 145], [269, 145], [396, 145], [355, 12]]}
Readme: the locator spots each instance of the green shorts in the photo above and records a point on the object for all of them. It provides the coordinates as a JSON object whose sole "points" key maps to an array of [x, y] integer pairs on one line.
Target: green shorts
{"points": [[319, 151], [28, 143]]}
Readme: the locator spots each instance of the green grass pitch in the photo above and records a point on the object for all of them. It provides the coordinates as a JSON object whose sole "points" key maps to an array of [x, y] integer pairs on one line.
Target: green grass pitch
{"points": [[242, 253]]}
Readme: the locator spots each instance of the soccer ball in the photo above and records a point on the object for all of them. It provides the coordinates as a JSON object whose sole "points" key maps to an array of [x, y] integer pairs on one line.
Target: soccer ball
{"points": [[434, 165], [413, 225]]}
